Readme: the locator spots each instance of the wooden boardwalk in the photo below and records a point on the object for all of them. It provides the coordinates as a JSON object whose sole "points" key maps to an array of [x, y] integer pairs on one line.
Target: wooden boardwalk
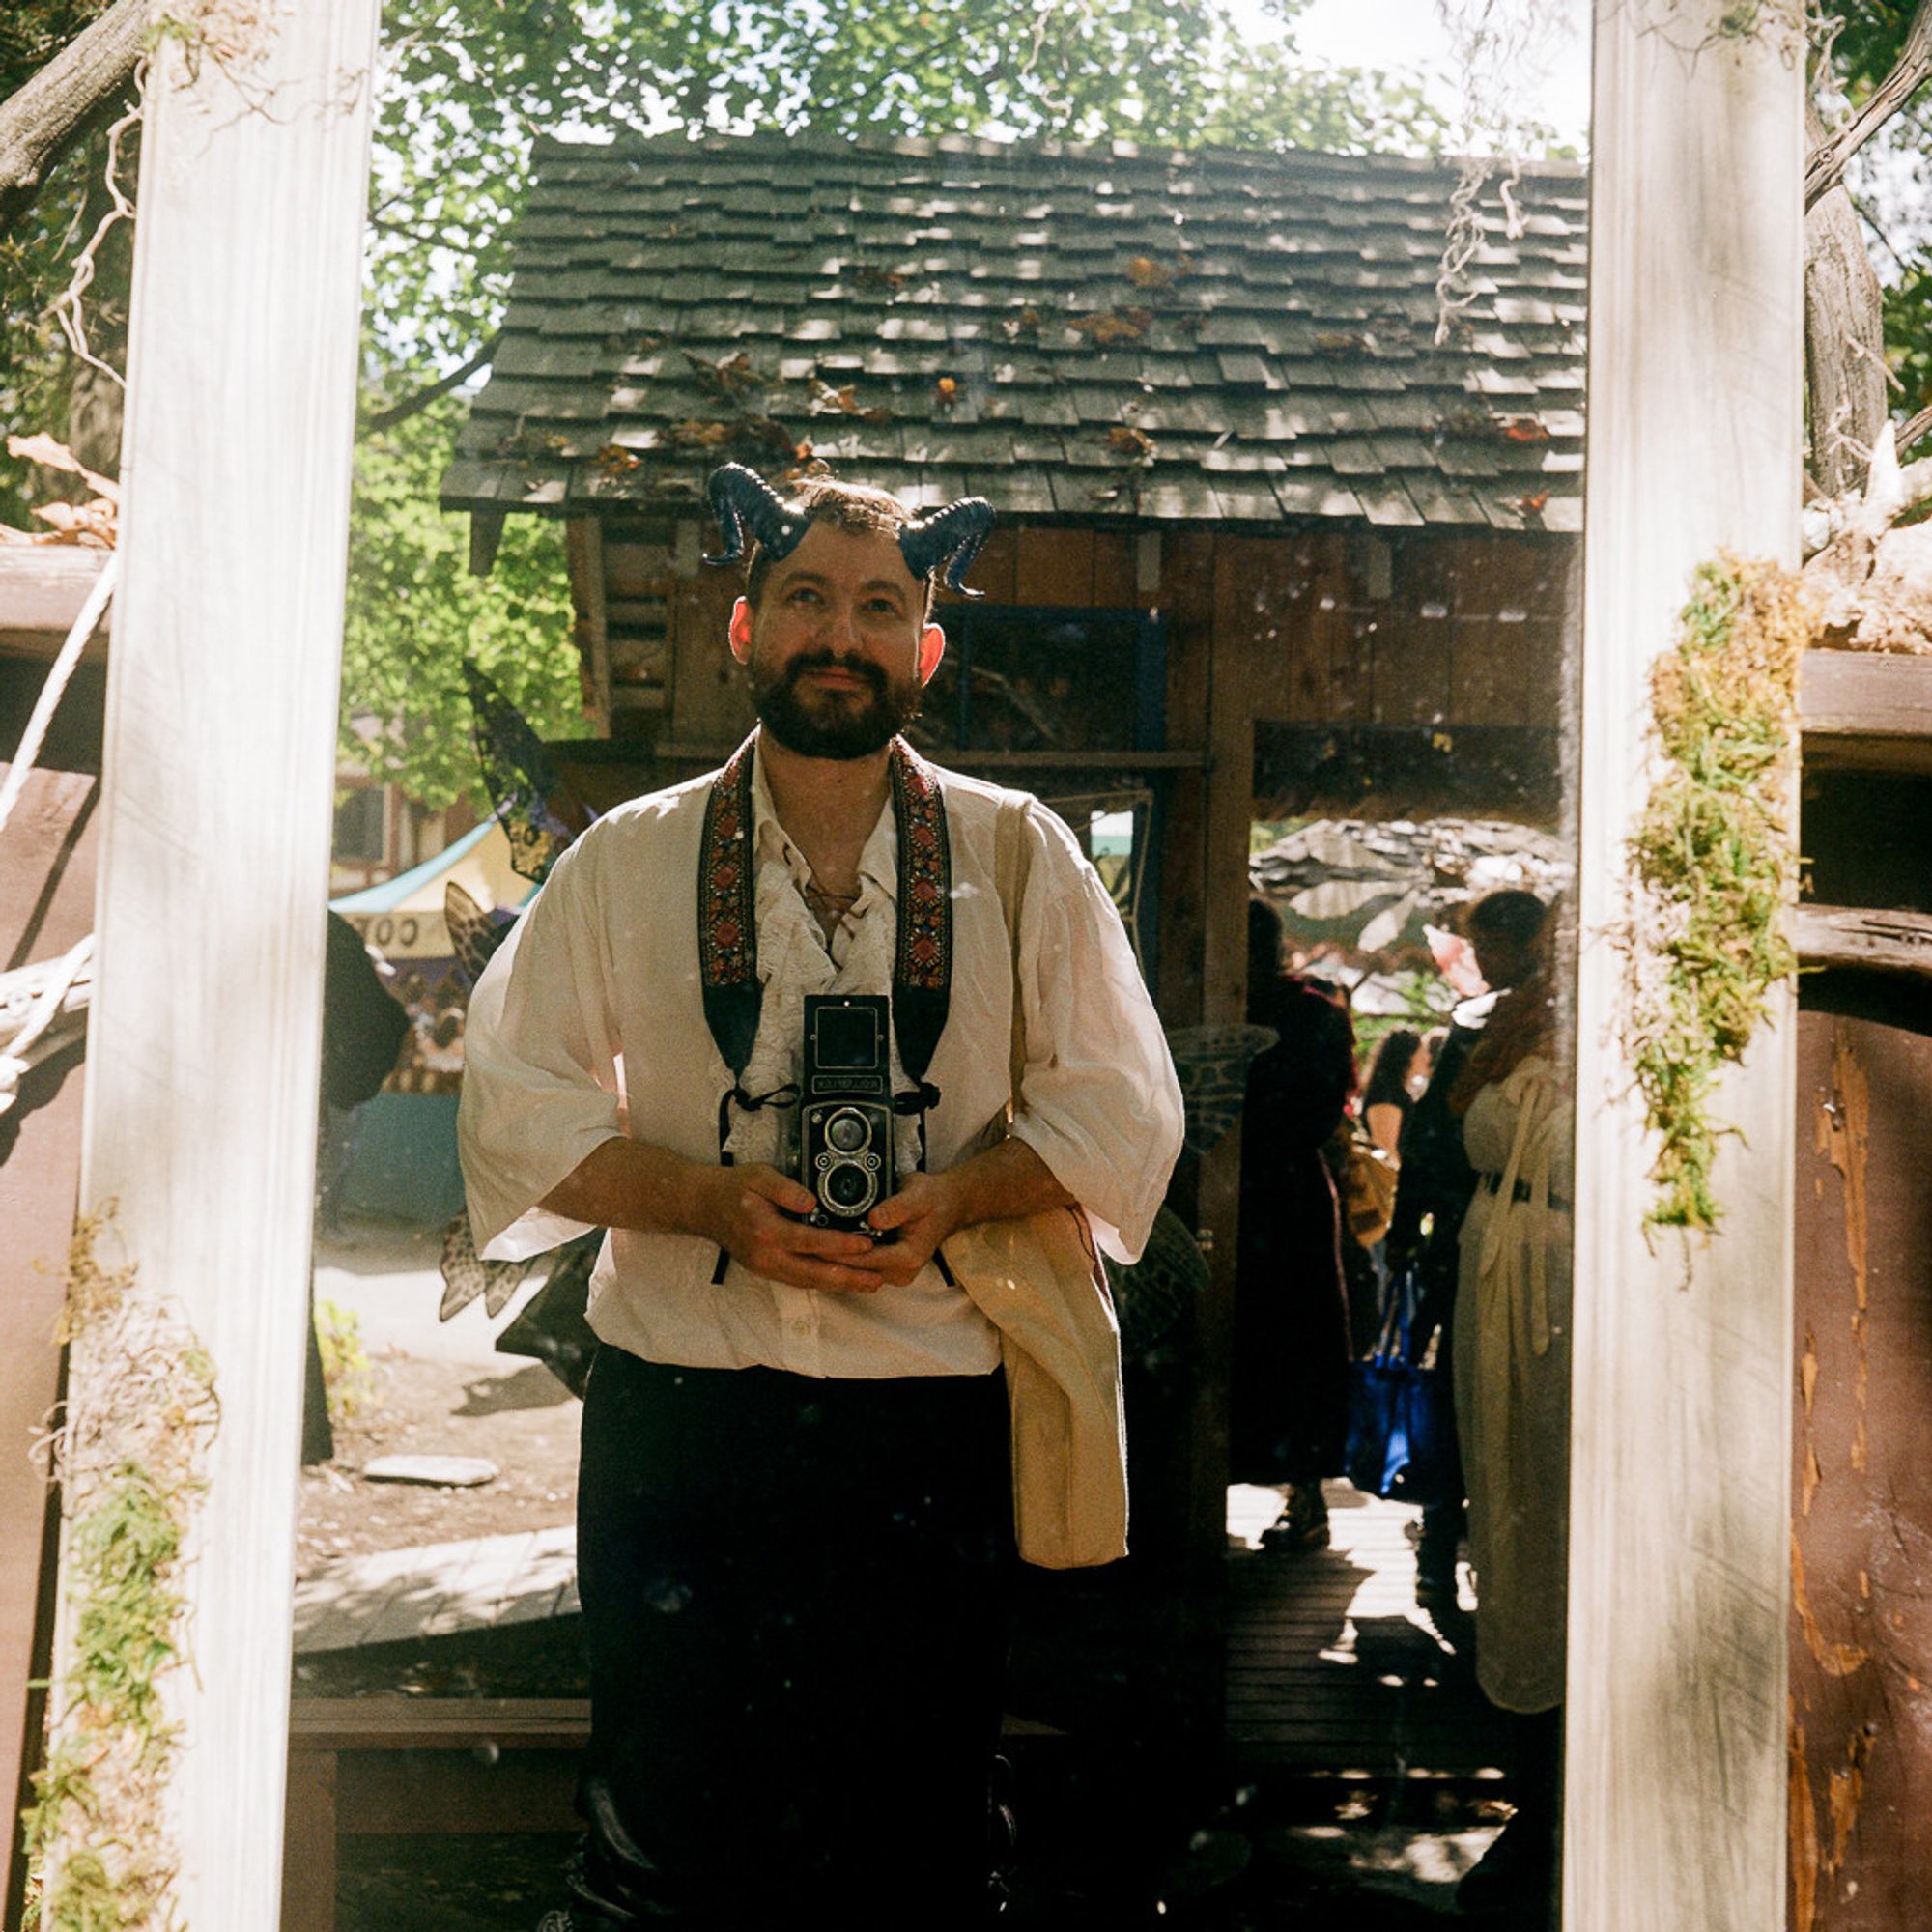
{"points": [[438, 1589], [1331, 1667]]}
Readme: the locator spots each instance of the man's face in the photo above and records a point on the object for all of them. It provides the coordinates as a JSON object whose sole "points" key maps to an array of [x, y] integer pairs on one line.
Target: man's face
{"points": [[838, 648]]}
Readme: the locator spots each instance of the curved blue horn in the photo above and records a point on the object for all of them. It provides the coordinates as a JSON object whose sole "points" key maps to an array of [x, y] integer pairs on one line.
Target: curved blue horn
{"points": [[744, 502], [948, 540]]}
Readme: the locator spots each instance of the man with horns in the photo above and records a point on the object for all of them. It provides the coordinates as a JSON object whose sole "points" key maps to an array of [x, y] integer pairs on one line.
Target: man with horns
{"points": [[795, 1507]]}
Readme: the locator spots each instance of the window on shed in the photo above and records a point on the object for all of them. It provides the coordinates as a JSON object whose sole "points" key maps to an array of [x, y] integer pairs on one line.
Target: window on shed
{"points": [[1018, 678]]}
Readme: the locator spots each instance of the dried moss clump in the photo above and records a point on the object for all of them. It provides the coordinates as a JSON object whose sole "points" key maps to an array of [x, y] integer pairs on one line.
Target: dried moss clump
{"points": [[1714, 861], [140, 1414]]}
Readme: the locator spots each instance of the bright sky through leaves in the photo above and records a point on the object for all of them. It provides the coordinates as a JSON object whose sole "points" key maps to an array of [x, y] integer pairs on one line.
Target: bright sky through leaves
{"points": [[1408, 36]]}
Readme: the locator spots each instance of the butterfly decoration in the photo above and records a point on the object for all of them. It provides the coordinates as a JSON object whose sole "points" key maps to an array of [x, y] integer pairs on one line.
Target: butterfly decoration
{"points": [[553, 1326], [1153, 1294], [475, 934], [542, 817], [538, 809], [1212, 1064], [467, 1277]]}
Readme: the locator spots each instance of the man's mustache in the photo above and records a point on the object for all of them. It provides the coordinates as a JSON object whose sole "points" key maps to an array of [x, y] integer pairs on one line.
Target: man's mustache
{"points": [[856, 666]]}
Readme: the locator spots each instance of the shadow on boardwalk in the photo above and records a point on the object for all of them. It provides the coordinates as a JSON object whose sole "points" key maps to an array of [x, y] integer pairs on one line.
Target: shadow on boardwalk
{"points": [[1356, 1781]]}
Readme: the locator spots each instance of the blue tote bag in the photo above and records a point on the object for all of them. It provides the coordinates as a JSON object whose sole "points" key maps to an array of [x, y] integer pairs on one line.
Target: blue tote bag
{"points": [[1402, 1414]]}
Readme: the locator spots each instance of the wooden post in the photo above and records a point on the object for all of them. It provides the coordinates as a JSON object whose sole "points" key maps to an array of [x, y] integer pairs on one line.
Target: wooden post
{"points": [[203, 1058], [1680, 1505]]}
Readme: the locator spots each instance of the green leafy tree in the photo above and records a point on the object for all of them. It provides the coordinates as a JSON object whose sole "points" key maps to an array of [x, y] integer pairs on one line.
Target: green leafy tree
{"points": [[414, 612], [52, 198], [466, 84]]}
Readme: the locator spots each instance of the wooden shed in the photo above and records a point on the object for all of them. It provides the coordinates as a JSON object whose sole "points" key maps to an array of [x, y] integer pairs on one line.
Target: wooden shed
{"points": [[1240, 482], [1271, 537]]}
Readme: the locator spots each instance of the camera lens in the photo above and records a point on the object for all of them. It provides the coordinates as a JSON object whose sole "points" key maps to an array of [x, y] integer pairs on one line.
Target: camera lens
{"points": [[847, 1189], [846, 1132]]}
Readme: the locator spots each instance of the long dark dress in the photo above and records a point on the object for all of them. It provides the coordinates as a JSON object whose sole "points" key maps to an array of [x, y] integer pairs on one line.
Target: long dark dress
{"points": [[1291, 1370]]}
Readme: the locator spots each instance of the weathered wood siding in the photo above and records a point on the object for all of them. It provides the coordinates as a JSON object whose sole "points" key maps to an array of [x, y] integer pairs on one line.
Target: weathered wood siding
{"points": [[46, 905], [1334, 626], [1860, 1791]]}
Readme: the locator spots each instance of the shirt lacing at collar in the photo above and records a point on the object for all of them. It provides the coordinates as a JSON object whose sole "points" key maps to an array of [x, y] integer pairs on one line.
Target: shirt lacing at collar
{"points": [[878, 862]]}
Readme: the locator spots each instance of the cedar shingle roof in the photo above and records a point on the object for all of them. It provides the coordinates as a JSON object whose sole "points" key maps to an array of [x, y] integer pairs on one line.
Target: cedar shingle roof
{"points": [[1076, 333]]}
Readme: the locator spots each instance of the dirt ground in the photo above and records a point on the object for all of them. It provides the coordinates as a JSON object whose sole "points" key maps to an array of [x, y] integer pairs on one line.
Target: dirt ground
{"points": [[521, 1419], [431, 1388]]}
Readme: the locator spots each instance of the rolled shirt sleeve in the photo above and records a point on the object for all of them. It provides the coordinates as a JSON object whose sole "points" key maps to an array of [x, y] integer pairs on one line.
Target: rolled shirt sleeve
{"points": [[1098, 1101], [542, 1081]]}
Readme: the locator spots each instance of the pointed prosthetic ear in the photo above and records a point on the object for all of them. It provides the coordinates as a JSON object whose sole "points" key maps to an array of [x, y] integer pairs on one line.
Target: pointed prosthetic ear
{"points": [[951, 538], [745, 503]]}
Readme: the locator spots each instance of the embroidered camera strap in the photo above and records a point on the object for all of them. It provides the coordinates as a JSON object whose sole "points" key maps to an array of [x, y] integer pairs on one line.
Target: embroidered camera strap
{"points": [[923, 965]]}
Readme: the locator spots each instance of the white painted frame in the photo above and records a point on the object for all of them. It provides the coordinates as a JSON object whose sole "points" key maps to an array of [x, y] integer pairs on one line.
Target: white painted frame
{"points": [[201, 1069], [1682, 1394]]}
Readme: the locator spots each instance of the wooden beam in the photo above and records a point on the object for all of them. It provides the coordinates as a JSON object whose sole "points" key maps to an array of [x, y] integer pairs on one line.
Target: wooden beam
{"points": [[309, 1836], [583, 548], [1681, 1426], [1240, 628], [42, 589], [203, 1051], [1863, 941], [1186, 599], [486, 532], [1866, 711]]}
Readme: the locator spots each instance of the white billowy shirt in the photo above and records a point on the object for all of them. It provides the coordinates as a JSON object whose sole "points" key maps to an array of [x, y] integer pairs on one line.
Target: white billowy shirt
{"points": [[589, 1023]]}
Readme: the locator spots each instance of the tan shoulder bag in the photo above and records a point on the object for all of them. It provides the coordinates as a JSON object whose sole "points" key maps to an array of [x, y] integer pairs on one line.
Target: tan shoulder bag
{"points": [[1039, 1281]]}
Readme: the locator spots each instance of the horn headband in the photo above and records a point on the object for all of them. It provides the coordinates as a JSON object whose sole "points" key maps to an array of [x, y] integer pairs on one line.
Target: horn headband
{"points": [[943, 542]]}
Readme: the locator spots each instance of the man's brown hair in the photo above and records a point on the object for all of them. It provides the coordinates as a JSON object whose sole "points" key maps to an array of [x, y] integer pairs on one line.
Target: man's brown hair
{"points": [[852, 506]]}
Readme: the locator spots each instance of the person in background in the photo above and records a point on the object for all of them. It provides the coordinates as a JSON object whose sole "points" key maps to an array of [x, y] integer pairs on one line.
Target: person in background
{"points": [[362, 1031], [1365, 1160], [1398, 1076], [1436, 1181], [1290, 1377], [1511, 1379]]}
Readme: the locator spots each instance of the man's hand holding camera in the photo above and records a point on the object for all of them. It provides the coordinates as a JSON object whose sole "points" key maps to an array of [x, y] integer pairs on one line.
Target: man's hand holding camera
{"points": [[916, 1219], [756, 1215]]}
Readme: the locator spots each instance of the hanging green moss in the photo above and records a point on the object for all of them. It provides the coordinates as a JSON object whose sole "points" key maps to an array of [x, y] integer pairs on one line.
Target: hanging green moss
{"points": [[1713, 858], [140, 1413]]}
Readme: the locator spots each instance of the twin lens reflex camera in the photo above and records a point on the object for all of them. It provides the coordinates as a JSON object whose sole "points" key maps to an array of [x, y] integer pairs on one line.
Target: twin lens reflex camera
{"points": [[846, 1108]]}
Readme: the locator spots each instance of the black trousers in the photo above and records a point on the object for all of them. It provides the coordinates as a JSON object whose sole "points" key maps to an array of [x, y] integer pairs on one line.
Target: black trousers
{"points": [[797, 1599]]}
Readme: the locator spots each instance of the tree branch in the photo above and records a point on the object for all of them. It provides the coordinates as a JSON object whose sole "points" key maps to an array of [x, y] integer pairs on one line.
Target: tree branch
{"points": [[410, 406], [1914, 68], [1878, 234], [41, 120], [1915, 432]]}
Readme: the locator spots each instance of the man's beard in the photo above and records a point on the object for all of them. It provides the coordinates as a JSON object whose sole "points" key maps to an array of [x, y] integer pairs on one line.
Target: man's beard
{"points": [[832, 723]]}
